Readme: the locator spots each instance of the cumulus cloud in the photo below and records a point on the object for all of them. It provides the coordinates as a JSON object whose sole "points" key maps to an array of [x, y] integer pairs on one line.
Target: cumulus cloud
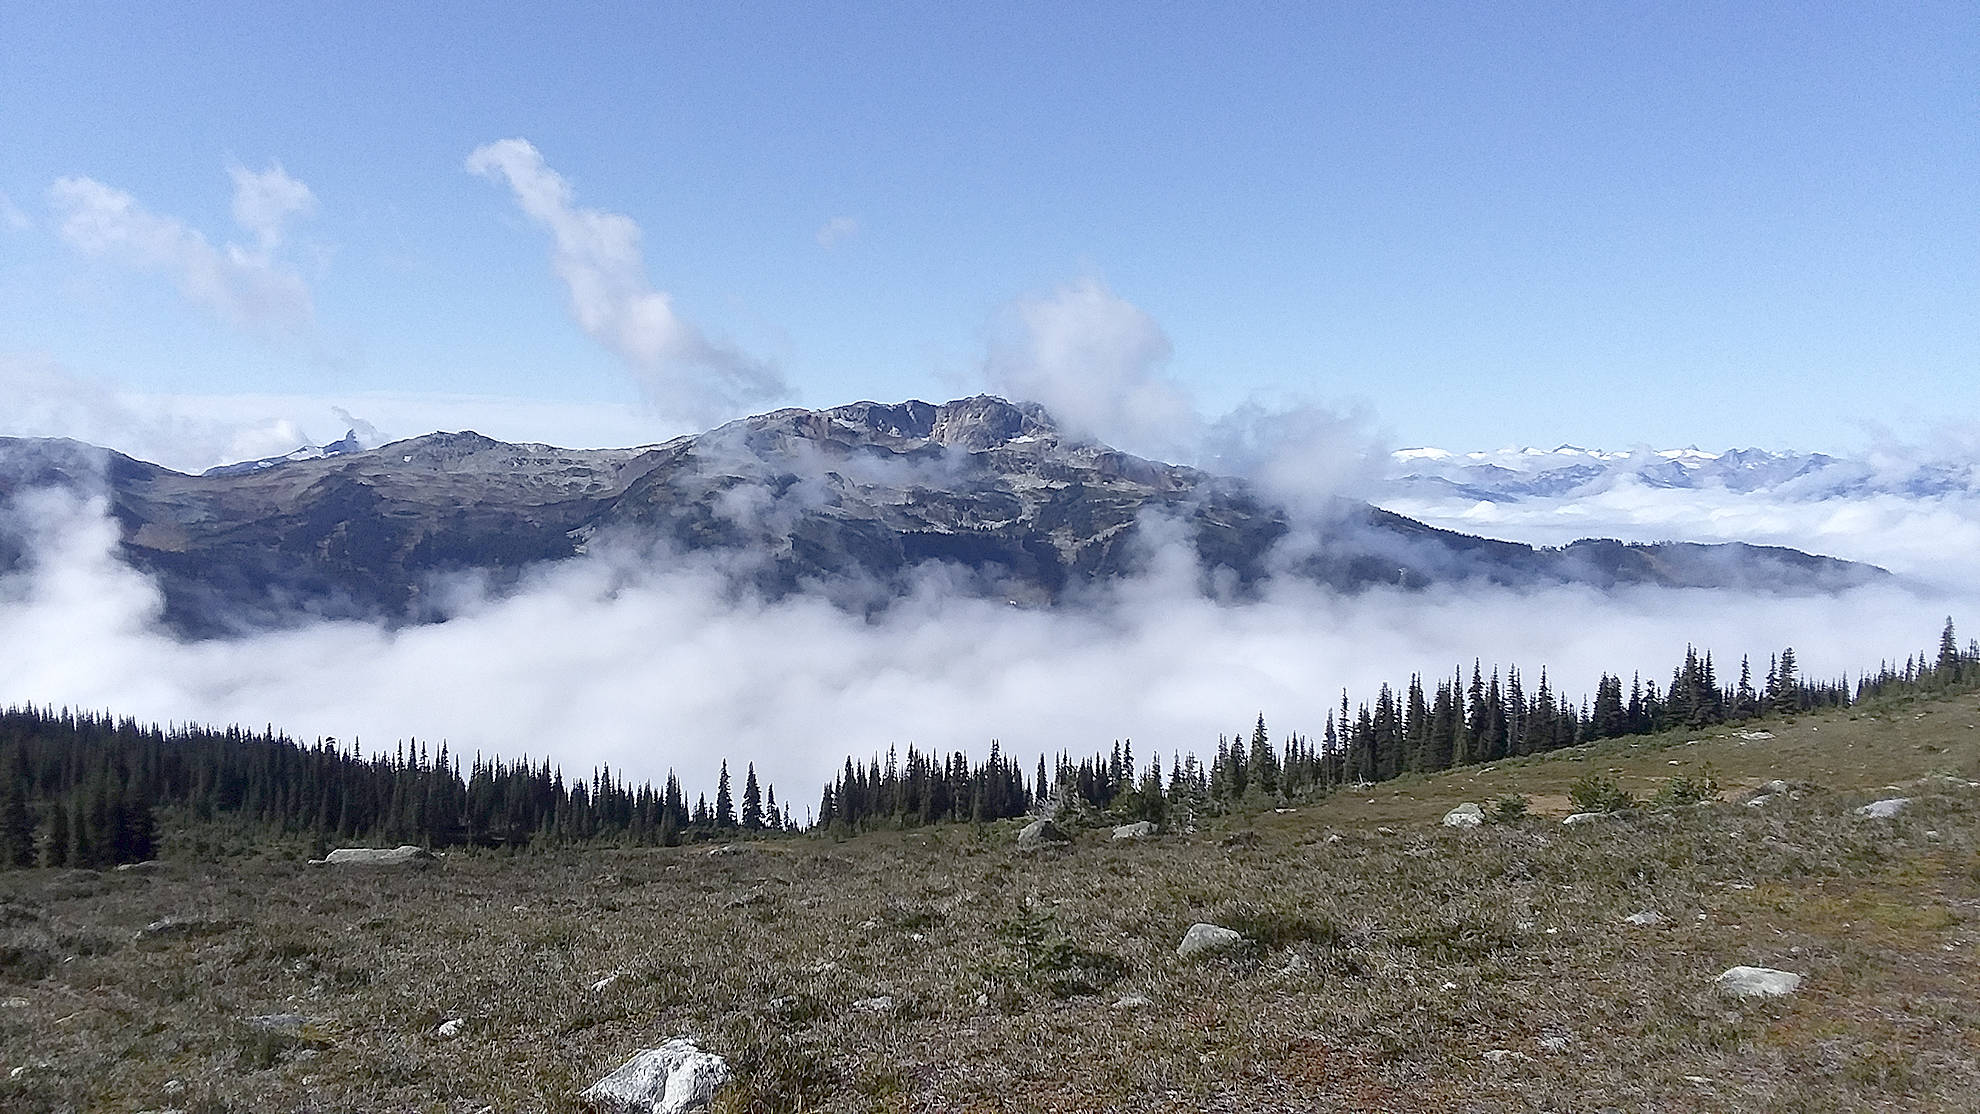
{"points": [[11, 215], [837, 231], [1096, 361], [246, 285], [650, 663], [597, 255]]}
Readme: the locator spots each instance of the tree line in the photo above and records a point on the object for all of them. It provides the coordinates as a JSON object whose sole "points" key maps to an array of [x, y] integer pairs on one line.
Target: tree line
{"points": [[88, 789]]}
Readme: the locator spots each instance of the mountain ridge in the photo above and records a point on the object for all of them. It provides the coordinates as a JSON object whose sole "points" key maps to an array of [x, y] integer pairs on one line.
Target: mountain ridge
{"points": [[849, 500]]}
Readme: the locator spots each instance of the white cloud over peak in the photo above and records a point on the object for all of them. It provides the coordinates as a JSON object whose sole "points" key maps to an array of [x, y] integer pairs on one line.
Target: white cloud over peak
{"points": [[597, 255], [1095, 360], [247, 286]]}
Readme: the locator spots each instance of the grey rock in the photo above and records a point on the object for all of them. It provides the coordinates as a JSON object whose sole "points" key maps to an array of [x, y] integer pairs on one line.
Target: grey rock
{"points": [[1133, 1002], [1039, 833], [1762, 801], [672, 1079], [1505, 1056], [1775, 786], [1757, 982], [1467, 815], [1584, 818], [1140, 829], [195, 925], [1205, 939], [1644, 918], [450, 1029], [879, 1003], [377, 856], [1556, 1043], [1884, 809]]}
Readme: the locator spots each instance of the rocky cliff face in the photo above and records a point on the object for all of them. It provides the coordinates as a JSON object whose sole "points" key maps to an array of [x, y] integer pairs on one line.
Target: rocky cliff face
{"points": [[849, 501]]}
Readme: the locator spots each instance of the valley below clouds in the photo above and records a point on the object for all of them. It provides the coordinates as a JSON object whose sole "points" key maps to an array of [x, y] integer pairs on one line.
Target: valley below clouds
{"points": [[618, 658]]}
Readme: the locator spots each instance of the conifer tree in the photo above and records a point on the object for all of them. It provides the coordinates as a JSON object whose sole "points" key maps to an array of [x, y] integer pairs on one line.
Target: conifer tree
{"points": [[752, 801], [725, 804]]}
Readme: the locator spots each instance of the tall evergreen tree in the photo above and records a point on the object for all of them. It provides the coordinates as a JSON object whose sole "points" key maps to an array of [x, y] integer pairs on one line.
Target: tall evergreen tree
{"points": [[752, 802]]}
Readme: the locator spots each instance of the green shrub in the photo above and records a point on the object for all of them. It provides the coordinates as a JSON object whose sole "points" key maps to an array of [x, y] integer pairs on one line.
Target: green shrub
{"points": [[1509, 808], [1598, 793], [1686, 789]]}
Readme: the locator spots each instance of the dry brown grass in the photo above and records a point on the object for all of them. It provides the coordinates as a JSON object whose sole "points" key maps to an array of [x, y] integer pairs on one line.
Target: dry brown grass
{"points": [[1417, 951]]}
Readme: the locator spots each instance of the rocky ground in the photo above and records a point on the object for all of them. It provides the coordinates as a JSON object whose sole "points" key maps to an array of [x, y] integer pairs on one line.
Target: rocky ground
{"points": [[1381, 960]]}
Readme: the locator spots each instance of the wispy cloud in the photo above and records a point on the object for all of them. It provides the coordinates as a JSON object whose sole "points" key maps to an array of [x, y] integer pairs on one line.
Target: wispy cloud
{"points": [[246, 285], [837, 231], [597, 255], [265, 201], [11, 216]]}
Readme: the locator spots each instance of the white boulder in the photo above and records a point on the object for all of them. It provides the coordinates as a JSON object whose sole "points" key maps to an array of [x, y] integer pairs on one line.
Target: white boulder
{"points": [[1757, 982], [1140, 829], [1203, 939], [450, 1029], [671, 1079], [1584, 818], [1466, 815], [1884, 809], [377, 856], [1644, 918]]}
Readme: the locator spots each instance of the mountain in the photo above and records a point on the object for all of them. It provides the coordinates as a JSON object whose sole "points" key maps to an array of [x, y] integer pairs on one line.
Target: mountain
{"points": [[1512, 475], [348, 443], [851, 501]]}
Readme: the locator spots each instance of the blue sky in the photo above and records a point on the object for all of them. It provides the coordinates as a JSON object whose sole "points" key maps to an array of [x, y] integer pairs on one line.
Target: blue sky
{"points": [[1608, 224]]}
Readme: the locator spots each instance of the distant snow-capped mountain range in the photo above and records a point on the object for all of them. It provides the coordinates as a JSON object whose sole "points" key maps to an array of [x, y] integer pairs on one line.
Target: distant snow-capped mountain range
{"points": [[1514, 474]]}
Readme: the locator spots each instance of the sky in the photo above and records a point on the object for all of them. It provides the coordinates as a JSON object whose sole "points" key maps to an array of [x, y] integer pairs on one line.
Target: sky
{"points": [[1471, 226], [1275, 239]]}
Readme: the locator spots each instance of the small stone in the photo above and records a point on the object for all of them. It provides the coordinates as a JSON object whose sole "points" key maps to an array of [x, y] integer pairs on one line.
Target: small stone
{"points": [[1775, 786], [1584, 818], [604, 984], [1505, 1056], [1884, 809], [1645, 918], [672, 1079], [290, 1023], [1761, 801], [725, 850], [1556, 1043], [1757, 982], [1202, 939], [1140, 829], [1466, 815], [879, 1003], [450, 1029], [1133, 1002]]}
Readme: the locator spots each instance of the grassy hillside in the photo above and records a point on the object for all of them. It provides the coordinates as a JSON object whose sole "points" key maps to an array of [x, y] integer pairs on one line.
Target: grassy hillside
{"points": [[1386, 956]]}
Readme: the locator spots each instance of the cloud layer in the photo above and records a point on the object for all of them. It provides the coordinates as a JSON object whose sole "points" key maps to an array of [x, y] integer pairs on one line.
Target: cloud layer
{"points": [[655, 663], [248, 286], [597, 255]]}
